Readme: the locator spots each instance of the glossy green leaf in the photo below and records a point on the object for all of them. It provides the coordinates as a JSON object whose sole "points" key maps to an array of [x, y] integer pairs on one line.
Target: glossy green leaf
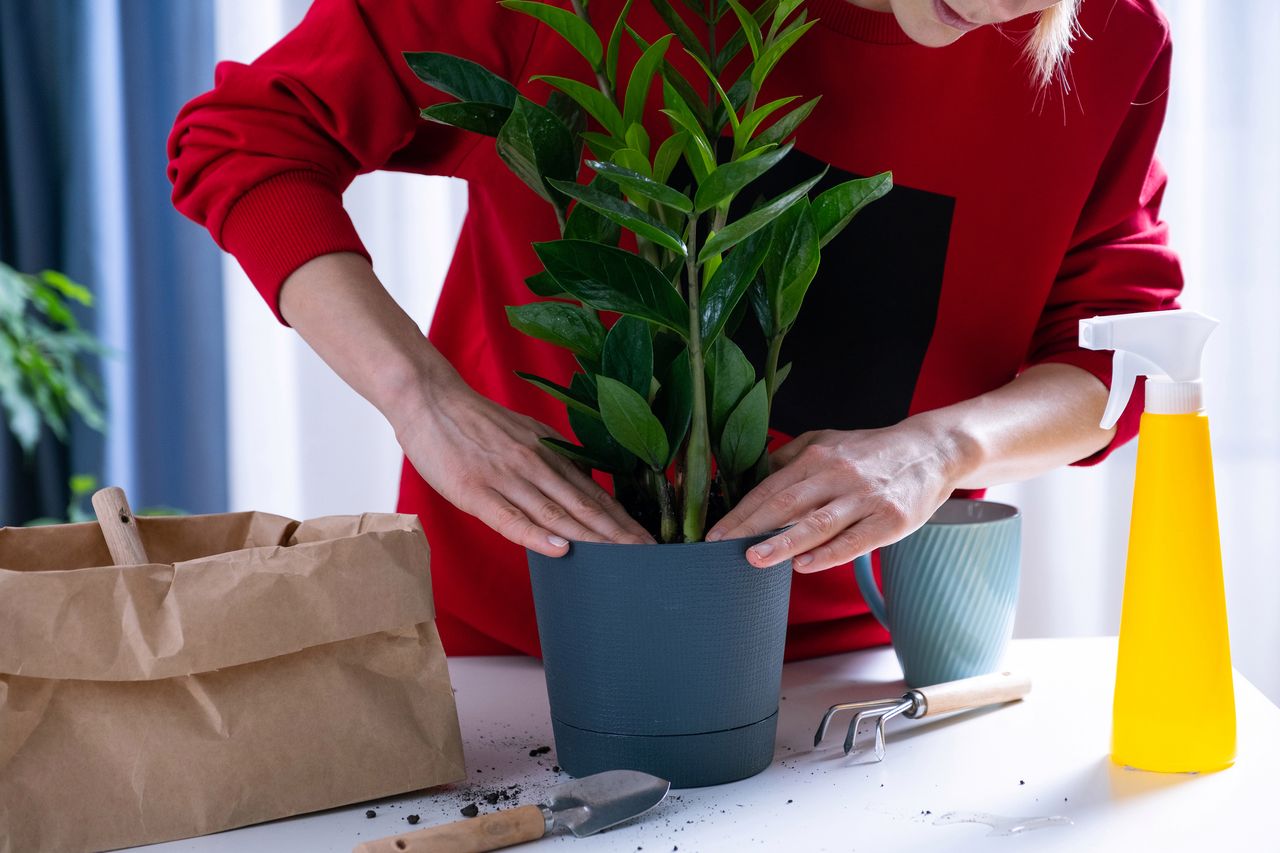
{"points": [[727, 286], [835, 208], [602, 144], [777, 132], [572, 28], [637, 184], [729, 377], [680, 28], [783, 11], [674, 403], [584, 223], [461, 78], [792, 262], [641, 76], [746, 432], [737, 231], [638, 138], [725, 182], [469, 115], [630, 158], [591, 99], [594, 435], [615, 45], [750, 28], [624, 213], [576, 453], [632, 423], [573, 327], [776, 51], [611, 279], [664, 162], [736, 42], [574, 399], [628, 354], [761, 307], [742, 135], [537, 147], [542, 284]]}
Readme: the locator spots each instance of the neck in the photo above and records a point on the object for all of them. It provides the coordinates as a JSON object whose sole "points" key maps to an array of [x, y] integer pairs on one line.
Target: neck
{"points": [[874, 5]]}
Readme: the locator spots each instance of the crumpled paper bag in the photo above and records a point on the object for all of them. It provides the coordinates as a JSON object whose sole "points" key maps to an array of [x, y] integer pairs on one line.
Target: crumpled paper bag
{"points": [[259, 668]]}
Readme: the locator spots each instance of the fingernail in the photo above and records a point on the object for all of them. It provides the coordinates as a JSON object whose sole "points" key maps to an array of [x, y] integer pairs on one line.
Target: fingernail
{"points": [[764, 549], [558, 541], [804, 560], [715, 536]]}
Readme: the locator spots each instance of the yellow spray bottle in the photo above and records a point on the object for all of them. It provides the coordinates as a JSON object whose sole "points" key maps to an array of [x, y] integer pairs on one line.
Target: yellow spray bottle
{"points": [[1174, 705]]}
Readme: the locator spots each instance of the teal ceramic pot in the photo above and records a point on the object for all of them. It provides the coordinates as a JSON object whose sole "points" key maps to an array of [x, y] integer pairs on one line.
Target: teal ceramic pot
{"points": [[662, 658]]}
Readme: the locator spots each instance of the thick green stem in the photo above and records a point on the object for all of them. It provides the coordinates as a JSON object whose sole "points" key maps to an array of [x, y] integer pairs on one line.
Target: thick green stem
{"points": [[770, 388], [697, 478], [662, 491]]}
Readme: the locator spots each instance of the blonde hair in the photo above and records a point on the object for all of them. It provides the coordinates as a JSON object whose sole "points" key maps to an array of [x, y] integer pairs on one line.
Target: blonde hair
{"points": [[1050, 43]]}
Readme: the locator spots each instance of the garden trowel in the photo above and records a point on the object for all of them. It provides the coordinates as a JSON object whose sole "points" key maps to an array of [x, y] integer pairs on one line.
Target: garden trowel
{"points": [[583, 806]]}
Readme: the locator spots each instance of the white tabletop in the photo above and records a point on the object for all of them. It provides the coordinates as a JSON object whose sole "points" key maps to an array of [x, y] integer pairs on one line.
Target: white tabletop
{"points": [[1044, 757]]}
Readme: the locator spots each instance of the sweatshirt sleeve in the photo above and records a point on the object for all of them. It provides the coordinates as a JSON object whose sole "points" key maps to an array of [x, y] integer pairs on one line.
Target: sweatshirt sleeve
{"points": [[262, 159], [1119, 260]]}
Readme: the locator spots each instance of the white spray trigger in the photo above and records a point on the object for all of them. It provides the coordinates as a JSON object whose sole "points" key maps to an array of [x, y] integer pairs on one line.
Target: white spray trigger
{"points": [[1166, 345]]}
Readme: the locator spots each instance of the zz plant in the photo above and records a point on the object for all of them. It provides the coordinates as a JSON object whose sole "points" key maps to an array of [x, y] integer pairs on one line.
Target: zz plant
{"points": [[665, 402]]}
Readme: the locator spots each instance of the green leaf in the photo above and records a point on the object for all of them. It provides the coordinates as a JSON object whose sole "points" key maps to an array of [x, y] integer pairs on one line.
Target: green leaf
{"points": [[735, 232], [726, 103], [635, 183], [746, 432], [781, 376], [615, 44], [835, 208], [632, 423], [638, 139], [674, 403], [664, 162], [750, 122], [641, 76], [572, 28], [624, 213], [572, 398], [83, 484], [731, 376], [738, 40], [681, 29], [68, 288], [542, 284], [590, 99], [792, 262], [775, 52], [611, 279], [537, 146], [593, 434], [584, 223], [628, 354], [750, 28], [775, 133], [630, 158], [469, 115], [725, 182], [573, 327], [575, 453], [461, 78], [727, 286], [602, 144]]}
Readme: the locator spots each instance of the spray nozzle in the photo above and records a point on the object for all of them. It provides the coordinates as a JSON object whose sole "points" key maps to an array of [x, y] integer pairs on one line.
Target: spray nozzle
{"points": [[1160, 344]]}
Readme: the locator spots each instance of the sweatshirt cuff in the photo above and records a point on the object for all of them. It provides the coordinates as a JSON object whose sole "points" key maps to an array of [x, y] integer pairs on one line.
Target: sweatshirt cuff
{"points": [[283, 222], [1098, 363]]}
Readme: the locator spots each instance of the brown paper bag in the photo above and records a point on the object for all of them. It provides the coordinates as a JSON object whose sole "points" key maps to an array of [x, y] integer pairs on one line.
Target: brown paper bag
{"points": [[258, 668]]}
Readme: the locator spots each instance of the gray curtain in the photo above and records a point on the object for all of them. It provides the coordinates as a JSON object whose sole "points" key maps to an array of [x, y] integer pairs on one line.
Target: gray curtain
{"points": [[90, 89]]}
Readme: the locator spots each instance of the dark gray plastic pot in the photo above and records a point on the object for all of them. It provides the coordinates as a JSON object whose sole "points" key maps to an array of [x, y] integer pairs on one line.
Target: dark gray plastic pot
{"points": [[662, 658]]}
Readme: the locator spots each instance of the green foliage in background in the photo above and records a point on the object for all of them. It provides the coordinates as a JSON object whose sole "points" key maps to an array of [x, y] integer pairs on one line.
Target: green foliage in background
{"points": [[665, 401]]}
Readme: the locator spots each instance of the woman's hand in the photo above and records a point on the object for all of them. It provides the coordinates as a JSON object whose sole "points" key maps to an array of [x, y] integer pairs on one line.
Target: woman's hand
{"points": [[847, 492], [487, 461]]}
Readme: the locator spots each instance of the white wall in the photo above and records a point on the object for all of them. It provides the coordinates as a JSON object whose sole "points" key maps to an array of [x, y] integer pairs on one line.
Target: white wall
{"points": [[302, 444]]}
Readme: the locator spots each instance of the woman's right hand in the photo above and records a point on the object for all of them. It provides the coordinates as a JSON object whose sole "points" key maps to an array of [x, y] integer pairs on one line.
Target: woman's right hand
{"points": [[487, 461]]}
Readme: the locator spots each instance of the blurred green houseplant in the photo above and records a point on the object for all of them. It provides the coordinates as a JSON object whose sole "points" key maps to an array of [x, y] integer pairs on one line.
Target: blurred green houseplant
{"points": [[665, 401]]}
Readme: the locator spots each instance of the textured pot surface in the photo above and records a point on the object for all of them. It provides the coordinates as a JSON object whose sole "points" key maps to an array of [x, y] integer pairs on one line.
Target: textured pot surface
{"points": [[662, 658]]}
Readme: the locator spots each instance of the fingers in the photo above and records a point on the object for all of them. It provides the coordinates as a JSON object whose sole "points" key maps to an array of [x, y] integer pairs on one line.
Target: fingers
{"points": [[778, 500], [874, 531], [787, 453], [508, 520], [817, 527], [591, 505], [549, 512]]}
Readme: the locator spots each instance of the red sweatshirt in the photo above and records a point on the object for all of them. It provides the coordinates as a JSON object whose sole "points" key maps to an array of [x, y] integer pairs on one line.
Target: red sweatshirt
{"points": [[1015, 213]]}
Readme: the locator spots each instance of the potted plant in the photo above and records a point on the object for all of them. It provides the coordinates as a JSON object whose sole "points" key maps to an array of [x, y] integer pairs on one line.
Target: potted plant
{"points": [[665, 658]]}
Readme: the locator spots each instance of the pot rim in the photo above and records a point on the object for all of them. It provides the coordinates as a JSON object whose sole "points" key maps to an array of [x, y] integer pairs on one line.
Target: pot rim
{"points": [[576, 543]]}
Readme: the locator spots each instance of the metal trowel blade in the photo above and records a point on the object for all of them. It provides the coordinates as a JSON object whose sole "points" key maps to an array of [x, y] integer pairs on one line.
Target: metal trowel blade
{"points": [[586, 806]]}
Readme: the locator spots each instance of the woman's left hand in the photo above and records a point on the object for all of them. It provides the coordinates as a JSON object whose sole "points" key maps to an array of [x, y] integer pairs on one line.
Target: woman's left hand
{"points": [[847, 492]]}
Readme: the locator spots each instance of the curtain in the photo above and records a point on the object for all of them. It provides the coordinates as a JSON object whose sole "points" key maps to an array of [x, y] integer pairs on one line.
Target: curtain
{"points": [[91, 88]]}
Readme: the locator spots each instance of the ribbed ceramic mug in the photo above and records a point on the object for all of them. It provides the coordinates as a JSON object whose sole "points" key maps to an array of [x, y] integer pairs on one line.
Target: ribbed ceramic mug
{"points": [[950, 591]]}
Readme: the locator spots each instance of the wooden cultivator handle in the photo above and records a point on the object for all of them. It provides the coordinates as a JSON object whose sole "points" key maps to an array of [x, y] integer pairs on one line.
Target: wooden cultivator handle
{"points": [[119, 527], [474, 835], [969, 693]]}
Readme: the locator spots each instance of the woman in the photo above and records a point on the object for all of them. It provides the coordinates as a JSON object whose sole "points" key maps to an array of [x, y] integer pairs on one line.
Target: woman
{"points": [[937, 349]]}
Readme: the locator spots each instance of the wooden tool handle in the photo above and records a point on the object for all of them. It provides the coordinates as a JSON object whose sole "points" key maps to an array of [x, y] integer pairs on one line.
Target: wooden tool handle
{"points": [[473, 835], [974, 692], [119, 527]]}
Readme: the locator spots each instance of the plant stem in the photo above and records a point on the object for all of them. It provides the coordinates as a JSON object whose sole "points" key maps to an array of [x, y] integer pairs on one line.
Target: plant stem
{"points": [[580, 9], [662, 490], [770, 388], [697, 483]]}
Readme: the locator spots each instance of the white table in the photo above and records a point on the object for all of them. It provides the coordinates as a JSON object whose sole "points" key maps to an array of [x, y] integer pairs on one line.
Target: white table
{"points": [[1045, 757]]}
